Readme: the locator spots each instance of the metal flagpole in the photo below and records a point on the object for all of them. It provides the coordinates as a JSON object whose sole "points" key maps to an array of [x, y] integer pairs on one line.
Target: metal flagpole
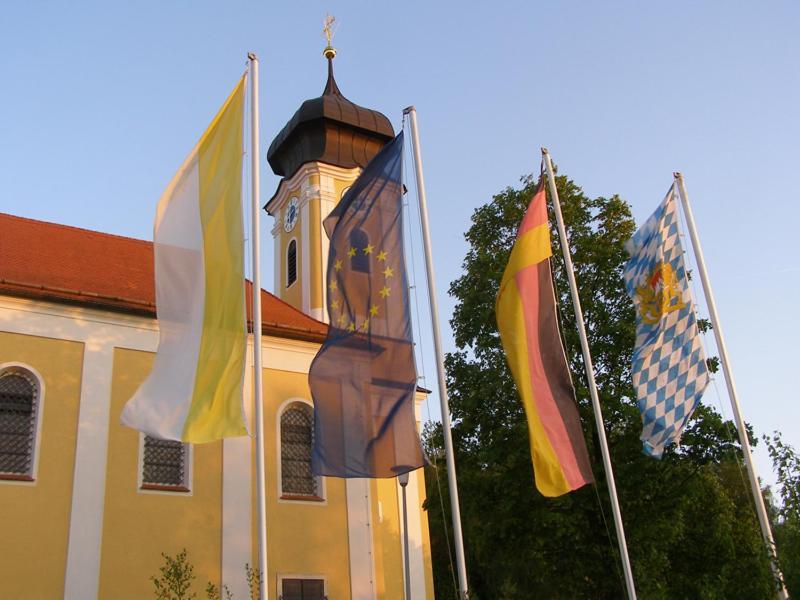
{"points": [[761, 510], [259, 401], [587, 361], [402, 479], [437, 342]]}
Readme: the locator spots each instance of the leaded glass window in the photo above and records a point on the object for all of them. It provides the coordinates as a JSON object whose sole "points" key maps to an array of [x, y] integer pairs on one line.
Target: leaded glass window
{"points": [[164, 465], [19, 403], [297, 440]]}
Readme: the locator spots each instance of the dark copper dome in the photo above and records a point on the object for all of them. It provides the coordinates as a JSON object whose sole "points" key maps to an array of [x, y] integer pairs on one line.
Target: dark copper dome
{"points": [[329, 129]]}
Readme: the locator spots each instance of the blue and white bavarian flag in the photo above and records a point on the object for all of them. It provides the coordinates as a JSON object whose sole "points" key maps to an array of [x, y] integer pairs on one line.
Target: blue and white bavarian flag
{"points": [[669, 365]]}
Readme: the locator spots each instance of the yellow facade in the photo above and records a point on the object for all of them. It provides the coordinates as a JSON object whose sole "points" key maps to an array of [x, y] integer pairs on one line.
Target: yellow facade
{"points": [[153, 522], [388, 557], [305, 538], [34, 516]]}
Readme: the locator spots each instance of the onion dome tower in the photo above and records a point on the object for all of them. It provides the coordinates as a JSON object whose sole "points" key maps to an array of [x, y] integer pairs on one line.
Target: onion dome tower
{"points": [[318, 154]]}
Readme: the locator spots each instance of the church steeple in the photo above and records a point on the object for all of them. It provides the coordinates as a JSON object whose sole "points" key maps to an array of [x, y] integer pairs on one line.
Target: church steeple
{"points": [[329, 129], [319, 153], [331, 89], [330, 54]]}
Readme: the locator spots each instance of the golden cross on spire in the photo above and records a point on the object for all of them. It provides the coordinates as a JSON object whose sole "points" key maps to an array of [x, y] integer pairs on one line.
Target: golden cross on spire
{"points": [[328, 28]]}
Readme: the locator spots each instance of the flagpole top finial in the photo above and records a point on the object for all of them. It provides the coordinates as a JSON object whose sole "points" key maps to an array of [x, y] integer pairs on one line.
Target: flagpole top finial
{"points": [[328, 31], [544, 151], [677, 175]]}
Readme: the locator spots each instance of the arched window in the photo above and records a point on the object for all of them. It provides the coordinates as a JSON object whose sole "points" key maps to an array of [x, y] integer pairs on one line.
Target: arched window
{"points": [[291, 263], [297, 440], [359, 241], [19, 408], [165, 465]]}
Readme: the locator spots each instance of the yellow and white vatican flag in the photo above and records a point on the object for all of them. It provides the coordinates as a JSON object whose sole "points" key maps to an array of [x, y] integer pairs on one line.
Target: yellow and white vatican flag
{"points": [[194, 392]]}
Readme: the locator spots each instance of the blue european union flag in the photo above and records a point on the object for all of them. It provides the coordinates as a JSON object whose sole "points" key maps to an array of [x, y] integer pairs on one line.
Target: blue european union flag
{"points": [[363, 379]]}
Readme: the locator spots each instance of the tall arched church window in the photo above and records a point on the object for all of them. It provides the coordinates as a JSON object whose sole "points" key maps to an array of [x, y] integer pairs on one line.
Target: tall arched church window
{"points": [[291, 263], [360, 249], [297, 440], [19, 412]]}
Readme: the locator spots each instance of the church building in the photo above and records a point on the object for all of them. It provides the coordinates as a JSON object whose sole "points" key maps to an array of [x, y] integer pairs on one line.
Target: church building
{"points": [[87, 506]]}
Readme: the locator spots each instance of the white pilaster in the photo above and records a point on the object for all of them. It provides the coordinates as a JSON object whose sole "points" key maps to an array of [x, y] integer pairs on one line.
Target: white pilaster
{"points": [[327, 201], [237, 482], [305, 256], [277, 262], [359, 531], [89, 481]]}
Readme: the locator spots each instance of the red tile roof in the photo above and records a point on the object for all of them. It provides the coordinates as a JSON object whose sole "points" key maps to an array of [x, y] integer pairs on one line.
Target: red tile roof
{"points": [[48, 261]]}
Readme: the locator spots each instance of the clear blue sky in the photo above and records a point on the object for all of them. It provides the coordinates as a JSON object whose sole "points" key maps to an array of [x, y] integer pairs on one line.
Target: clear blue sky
{"points": [[102, 101]]}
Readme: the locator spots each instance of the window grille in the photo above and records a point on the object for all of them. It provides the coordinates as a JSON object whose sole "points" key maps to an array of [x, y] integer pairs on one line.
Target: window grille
{"points": [[297, 440], [19, 399], [303, 589], [291, 263], [164, 464]]}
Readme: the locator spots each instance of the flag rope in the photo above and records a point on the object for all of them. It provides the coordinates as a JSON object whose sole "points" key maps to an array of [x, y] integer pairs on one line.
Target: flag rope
{"points": [[564, 242], [463, 583], [758, 497], [571, 353], [420, 346], [726, 421]]}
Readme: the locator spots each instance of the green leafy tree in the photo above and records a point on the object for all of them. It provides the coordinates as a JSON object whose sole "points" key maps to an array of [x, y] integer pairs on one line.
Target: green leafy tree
{"points": [[786, 521], [690, 526], [253, 577], [214, 593], [177, 574]]}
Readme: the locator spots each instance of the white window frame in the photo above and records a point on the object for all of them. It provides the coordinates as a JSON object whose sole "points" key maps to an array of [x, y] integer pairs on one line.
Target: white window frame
{"points": [[188, 473], [321, 483], [37, 442], [286, 284], [282, 576]]}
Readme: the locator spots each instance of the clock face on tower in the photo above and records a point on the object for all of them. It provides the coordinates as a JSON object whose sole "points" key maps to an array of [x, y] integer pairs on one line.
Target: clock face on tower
{"points": [[291, 214]]}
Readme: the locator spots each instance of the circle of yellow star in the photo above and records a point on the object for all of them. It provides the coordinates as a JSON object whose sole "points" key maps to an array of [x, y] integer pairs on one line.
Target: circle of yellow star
{"points": [[351, 327], [382, 255], [352, 252], [388, 272], [335, 304], [369, 249], [333, 285], [342, 319], [337, 266], [365, 325], [384, 292], [373, 310]]}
